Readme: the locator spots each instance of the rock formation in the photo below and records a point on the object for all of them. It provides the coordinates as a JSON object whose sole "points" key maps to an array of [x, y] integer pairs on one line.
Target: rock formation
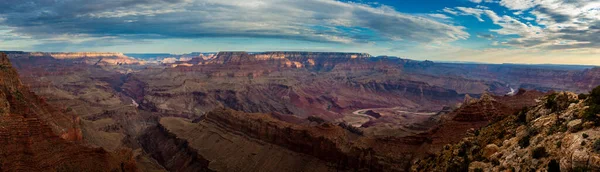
{"points": [[558, 134], [233, 140], [28, 134]]}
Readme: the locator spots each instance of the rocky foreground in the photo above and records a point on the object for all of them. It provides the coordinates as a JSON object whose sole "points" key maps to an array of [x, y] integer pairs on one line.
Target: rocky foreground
{"points": [[560, 133]]}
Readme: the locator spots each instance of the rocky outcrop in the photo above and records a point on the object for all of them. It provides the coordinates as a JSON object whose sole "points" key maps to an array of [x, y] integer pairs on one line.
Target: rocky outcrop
{"points": [[28, 134], [474, 114], [327, 142], [490, 107], [557, 134], [171, 152]]}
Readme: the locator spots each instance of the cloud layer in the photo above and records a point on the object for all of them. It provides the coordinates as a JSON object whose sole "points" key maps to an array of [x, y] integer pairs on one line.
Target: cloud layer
{"points": [[309, 20], [545, 24]]}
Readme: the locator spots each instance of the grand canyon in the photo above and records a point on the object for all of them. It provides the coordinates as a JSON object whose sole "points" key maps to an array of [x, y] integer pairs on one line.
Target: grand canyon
{"points": [[299, 85], [267, 111]]}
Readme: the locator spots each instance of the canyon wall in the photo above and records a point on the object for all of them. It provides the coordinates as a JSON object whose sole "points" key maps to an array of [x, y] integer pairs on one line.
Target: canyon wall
{"points": [[30, 130]]}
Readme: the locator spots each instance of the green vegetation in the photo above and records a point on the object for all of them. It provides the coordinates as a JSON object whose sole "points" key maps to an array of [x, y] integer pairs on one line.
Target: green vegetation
{"points": [[558, 102], [478, 170], [539, 152], [585, 136], [559, 126], [551, 102], [582, 96], [524, 141], [558, 144], [593, 102], [596, 146], [522, 116], [19, 96]]}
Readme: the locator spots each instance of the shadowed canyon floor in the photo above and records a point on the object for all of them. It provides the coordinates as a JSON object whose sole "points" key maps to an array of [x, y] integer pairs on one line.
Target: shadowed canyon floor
{"points": [[280, 111]]}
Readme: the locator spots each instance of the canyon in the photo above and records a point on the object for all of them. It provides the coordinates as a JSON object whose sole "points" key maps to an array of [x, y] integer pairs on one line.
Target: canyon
{"points": [[271, 111], [36, 137]]}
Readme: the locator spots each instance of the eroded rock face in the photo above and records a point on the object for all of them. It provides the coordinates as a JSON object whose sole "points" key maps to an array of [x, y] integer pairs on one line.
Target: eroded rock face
{"points": [[326, 147], [542, 138], [171, 152], [30, 129], [117, 103]]}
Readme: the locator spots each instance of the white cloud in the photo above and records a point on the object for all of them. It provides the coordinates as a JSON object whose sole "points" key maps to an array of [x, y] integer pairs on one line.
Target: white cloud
{"points": [[309, 20], [558, 24], [471, 11], [518, 4], [440, 16]]}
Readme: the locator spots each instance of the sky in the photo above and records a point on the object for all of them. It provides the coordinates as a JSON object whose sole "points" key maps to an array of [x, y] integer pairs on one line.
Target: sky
{"points": [[489, 31]]}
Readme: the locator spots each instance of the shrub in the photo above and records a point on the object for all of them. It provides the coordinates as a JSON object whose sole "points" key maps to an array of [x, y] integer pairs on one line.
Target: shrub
{"points": [[551, 102], [478, 170], [19, 95], [553, 166], [522, 116], [582, 96], [596, 146], [593, 102], [557, 127], [539, 152], [594, 97], [524, 141], [558, 144], [585, 136]]}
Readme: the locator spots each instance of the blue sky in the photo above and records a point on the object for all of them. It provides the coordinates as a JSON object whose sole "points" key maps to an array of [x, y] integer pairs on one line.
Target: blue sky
{"points": [[491, 31]]}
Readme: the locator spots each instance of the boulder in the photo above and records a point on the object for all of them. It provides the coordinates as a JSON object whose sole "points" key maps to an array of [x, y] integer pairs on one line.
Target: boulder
{"points": [[489, 150], [580, 158]]}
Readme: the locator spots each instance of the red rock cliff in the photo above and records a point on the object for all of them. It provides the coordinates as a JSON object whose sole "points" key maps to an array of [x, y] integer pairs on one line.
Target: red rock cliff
{"points": [[28, 134]]}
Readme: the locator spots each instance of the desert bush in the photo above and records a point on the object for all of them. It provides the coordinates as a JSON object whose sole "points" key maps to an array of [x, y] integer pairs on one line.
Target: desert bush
{"points": [[593, 102], [596, 146], [524, 141], [551, 101], [585, 136], [522, 116], [582, 96]]}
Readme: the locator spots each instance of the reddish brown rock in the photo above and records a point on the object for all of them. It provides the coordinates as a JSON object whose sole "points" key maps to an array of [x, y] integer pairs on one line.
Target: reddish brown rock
{"points": [[28, 134]]}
